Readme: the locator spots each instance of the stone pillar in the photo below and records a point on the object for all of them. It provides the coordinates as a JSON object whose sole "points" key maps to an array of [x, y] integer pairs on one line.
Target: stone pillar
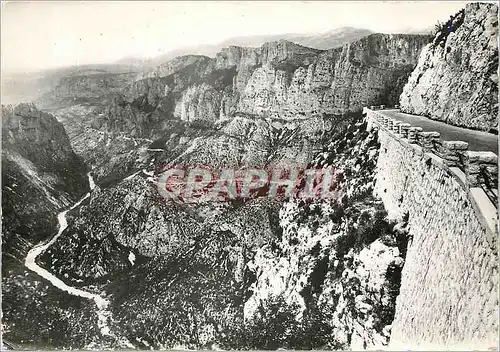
{"points": [[428, 139], [413, 134], [453, 152], [396, 106], [481, 168], [387, 122], [403, 129], [395, 126], [382, 107]]}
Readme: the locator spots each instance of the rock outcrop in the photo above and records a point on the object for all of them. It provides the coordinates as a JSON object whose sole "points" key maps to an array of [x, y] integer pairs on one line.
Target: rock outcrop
{"points": [[456, 79], [278, 80], [336, 265], [449, 285], [40, 175], [92, 86]]}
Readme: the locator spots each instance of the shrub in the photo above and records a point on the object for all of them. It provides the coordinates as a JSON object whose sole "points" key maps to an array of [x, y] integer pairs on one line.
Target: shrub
{"points": [[275, 326], [442, 30]]}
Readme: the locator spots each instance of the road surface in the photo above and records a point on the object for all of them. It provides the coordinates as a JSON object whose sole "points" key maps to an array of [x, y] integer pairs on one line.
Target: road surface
{"points": [[478, 140]]}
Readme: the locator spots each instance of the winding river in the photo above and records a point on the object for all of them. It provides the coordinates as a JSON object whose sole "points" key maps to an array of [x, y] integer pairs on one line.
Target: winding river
{"points": [[103, 313]]}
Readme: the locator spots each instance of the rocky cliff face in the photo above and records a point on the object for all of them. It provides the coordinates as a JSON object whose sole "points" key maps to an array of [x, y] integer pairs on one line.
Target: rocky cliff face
{"points": [[90, 86], [456, 79], [242, 271], [335, 82], [280, 79], [40, 174]]}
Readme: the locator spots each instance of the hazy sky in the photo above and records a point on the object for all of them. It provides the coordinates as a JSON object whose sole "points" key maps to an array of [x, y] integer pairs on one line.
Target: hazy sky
{"points": [[50, 34]]}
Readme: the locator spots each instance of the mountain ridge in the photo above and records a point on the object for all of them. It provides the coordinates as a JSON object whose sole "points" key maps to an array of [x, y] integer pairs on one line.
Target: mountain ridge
{"points": [[251, 274], [324, 41]]}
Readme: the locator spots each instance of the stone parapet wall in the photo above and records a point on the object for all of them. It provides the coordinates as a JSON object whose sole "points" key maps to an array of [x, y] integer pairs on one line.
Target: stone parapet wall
{"points": [[449, 287], [480, 167]]}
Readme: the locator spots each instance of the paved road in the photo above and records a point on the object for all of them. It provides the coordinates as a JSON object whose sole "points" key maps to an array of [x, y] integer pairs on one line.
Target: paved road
{"points": [[478, 141]]}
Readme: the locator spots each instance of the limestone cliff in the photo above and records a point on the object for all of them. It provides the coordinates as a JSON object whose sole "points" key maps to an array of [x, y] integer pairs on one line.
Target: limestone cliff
{"points": [[280, 79], [456, 79], [91, 85], [40, 175]]}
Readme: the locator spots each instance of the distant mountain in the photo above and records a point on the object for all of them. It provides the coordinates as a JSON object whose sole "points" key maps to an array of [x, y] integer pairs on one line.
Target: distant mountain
{"points": [[327, 40], [30, 86], [20, 87]]}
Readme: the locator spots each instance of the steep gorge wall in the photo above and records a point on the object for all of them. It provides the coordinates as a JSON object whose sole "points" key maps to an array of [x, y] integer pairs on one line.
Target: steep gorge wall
{"points": [[449, 288], [338, 81], [41, 174], [278, 80], [286, 80], [456, 79], [91, 85]]}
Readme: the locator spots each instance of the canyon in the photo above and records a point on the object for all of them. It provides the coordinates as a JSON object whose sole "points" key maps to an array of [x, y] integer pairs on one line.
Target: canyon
{"points": [[376, 268]]}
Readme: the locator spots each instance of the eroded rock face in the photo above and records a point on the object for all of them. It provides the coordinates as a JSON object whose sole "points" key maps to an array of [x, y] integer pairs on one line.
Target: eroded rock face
{"points": [[40, 175], [456, 78], [199, 102], [336, 81], [335, 266], [278, 80]]}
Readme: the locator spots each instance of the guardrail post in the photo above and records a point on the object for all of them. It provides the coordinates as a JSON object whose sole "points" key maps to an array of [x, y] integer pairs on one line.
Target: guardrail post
{"points": [[387, 122], [481, 168], [380, 119], [403, 129], [413, 134], [428, 139], [453, 152], [395, 126]]}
